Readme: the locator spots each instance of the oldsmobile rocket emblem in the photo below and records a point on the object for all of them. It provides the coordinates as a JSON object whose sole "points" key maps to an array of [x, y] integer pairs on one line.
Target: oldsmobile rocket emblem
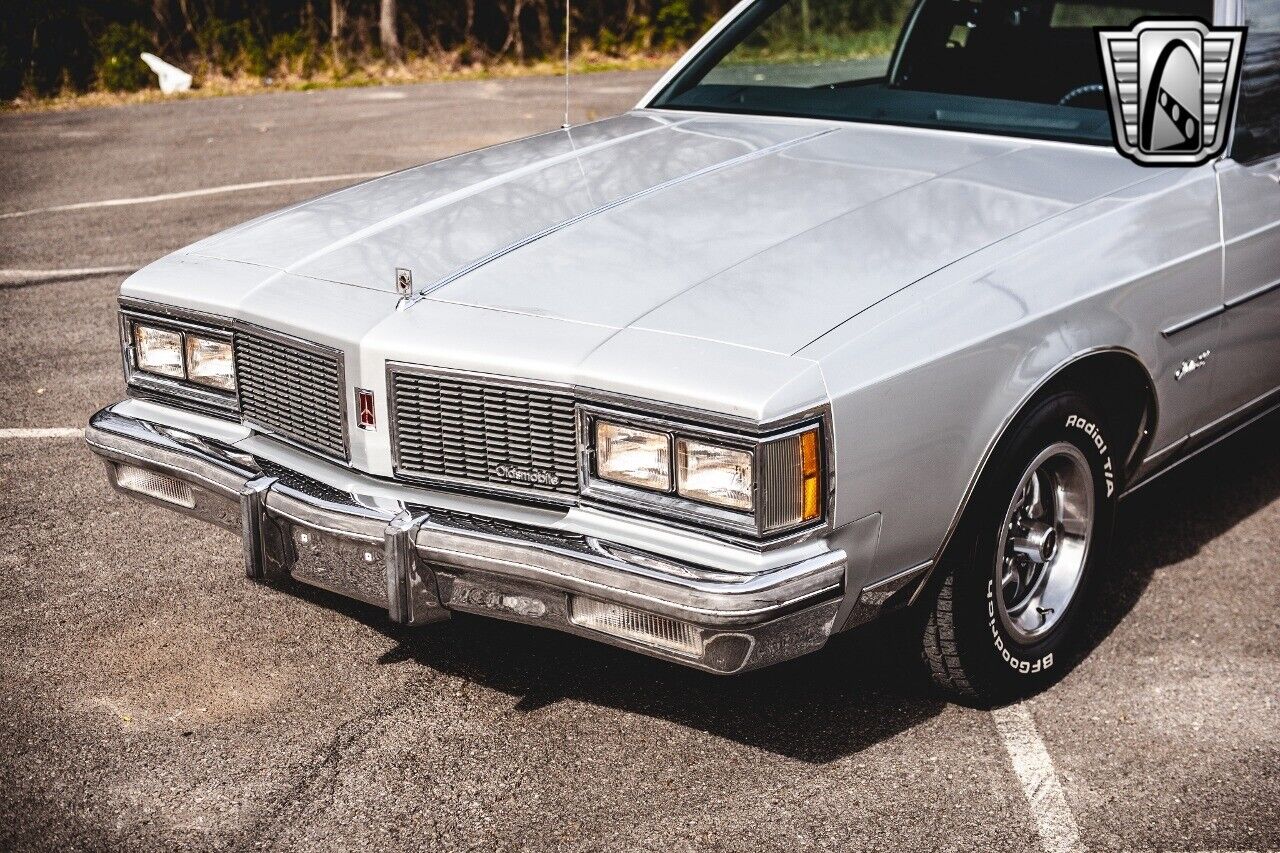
{"points": [[1171, 85], [404, 282]]}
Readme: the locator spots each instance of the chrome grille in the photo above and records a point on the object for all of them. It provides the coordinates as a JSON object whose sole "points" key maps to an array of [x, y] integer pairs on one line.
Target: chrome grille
{"points": [[484, 433], [293, 390]]}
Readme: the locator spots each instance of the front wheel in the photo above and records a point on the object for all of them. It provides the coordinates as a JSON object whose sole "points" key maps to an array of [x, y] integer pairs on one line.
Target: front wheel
{"points": [[1005, 610]]}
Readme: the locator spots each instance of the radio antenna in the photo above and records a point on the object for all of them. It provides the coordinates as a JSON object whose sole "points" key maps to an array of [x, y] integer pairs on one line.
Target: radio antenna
{"points": [[567, 24]]}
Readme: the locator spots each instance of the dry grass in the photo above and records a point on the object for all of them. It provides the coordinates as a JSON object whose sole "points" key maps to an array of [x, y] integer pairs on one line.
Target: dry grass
{"points": [[416, 70]]}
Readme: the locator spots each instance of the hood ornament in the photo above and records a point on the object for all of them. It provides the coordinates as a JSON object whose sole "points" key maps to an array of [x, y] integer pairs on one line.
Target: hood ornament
{"points": [[404, 287], [404, 281]]}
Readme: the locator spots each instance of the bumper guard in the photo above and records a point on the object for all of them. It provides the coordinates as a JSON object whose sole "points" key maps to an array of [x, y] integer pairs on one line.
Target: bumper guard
{"points": [[421, 562]]}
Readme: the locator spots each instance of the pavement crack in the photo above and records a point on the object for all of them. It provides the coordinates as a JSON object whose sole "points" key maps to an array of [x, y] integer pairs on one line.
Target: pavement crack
{"points": [[318, 782]]}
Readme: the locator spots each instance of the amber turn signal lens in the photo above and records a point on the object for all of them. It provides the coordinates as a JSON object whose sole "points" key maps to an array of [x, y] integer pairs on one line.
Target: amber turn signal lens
{"points": [[811, 506], [792, 479]]}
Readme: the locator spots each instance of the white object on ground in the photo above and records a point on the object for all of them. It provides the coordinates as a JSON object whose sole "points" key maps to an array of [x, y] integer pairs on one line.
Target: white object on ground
{"points": [[172, 78]]}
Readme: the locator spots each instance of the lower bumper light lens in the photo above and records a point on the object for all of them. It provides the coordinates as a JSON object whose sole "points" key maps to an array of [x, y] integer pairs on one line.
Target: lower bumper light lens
{"points": [[158, 486], [636, 626]]}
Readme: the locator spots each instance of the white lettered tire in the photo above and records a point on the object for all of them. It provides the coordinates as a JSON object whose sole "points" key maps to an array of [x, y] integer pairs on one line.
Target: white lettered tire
{"points": [[1005, 604]]}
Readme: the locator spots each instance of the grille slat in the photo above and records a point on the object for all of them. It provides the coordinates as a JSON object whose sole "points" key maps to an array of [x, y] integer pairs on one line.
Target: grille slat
{"points": [[293, 391], [464, 431]]}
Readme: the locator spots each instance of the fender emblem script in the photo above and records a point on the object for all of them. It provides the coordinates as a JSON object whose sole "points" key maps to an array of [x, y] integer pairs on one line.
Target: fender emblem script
{"points": [[530, 476], [1191, 365]]}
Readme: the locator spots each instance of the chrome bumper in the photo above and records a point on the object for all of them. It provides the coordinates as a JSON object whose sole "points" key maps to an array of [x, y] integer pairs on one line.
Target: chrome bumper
{"points": [[421, 562]]}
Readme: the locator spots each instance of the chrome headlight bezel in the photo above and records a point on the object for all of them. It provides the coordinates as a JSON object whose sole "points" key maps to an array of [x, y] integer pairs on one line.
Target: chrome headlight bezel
{"points": [[757, 524], [142, 382]]}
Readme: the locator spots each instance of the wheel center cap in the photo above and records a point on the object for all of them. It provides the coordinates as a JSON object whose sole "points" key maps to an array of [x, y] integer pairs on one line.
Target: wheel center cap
{"points": [[1038, 544]]}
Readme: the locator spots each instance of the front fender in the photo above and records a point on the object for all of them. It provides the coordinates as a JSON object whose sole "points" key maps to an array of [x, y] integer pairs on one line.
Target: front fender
{"points": [[924, 384]]}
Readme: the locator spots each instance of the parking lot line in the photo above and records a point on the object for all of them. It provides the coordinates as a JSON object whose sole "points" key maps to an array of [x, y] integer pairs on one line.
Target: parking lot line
{"points": [[1034, 769], [225, 188], [42, 432], [24, 277]]}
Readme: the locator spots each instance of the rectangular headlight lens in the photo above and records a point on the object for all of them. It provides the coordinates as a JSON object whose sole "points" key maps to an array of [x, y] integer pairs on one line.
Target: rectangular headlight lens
{"points": [[210, 362], [158, 351], [633, 456], [716, 475], [791, 472]]}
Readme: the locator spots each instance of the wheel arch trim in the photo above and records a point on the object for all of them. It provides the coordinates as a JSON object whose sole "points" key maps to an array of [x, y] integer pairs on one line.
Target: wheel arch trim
{"points": [[1147, 424]]}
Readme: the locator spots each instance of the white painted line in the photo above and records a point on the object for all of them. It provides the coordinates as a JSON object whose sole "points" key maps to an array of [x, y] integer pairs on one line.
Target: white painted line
{"points": [[36, 276], [225, 188], [45, 432], [1034, 769]]}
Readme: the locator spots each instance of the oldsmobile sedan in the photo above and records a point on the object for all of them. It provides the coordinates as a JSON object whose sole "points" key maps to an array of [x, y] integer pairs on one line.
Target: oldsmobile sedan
{"points": [[857, 310]]}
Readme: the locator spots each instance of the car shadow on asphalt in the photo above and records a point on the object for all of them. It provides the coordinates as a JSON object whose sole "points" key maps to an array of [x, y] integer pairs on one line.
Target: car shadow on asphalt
{"points": [[863, 688], [1170, 520], [866, 686]]}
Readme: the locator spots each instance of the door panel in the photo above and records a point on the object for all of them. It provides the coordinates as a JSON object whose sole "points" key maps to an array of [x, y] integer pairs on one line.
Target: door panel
{"points": [[1248, 359]]}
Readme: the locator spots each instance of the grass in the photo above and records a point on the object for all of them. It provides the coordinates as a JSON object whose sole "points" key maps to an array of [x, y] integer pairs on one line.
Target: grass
{"points": [[414, 70], [786, 48]]}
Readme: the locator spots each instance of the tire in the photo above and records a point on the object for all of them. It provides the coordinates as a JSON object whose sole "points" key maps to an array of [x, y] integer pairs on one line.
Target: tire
{"points": [[1041, 517]]}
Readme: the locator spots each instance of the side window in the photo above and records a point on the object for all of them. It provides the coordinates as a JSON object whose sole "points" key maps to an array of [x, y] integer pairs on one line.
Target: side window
{"points": [[1258, 118]]}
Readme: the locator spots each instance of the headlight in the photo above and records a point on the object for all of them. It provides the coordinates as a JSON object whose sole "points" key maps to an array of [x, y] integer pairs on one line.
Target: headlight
{"points": [[632, 456], [717, 475], [158, 351], [210, 362], [179, 357], [755, 485]]}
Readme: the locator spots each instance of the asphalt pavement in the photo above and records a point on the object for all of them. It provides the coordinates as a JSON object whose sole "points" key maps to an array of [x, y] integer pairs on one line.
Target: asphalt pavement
{"points": [[154, 699]]}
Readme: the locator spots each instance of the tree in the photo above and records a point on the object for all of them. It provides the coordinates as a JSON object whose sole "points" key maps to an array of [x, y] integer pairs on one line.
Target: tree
{"points": [[337, 16], [160, 14], [515, 36], [387, 31]]}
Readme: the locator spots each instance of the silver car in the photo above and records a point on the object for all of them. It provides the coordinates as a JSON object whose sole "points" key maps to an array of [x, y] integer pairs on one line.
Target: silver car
{"points": [[859, 309]]}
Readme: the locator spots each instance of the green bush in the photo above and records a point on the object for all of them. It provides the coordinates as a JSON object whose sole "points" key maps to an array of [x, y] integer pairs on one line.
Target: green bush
{"points": [[294, 53], [607, 42], [676, 24], [118, 67], [232, 48]]}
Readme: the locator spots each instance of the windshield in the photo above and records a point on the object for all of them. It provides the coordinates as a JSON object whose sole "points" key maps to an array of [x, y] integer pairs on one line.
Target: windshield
{"points": [[995, 66]]}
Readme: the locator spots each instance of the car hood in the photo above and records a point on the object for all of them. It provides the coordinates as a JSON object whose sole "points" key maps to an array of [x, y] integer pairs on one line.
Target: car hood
{"points": [[754, 232]]}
